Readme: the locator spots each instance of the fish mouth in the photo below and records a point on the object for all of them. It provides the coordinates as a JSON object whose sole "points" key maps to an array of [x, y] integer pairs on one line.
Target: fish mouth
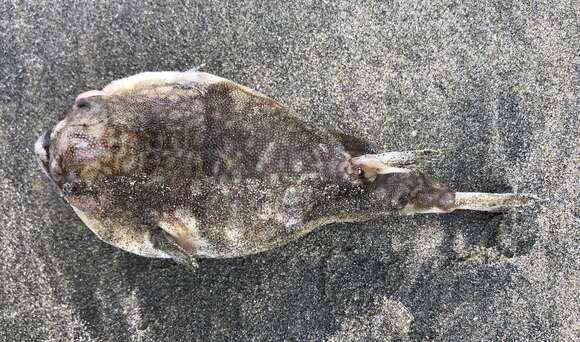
{"points": [[50, 165], [42, 152]]}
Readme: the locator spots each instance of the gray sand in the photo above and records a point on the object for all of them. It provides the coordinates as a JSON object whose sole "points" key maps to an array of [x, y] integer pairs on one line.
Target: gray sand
{"points": [[493, 84]]}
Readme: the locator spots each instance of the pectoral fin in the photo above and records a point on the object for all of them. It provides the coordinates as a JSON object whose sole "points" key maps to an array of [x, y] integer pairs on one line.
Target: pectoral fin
{"points": [[172, 246]]}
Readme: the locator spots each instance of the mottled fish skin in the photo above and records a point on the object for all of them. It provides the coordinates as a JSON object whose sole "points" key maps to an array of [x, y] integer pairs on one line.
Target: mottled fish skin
{"points": [[198, 166]]}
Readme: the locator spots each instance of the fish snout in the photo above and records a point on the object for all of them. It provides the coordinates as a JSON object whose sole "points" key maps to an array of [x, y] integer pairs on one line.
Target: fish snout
{"points": [[41, 150], [44, 149]]}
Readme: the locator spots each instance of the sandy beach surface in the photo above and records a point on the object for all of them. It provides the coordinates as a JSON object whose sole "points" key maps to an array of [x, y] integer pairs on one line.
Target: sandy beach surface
{"points": [[493, 84]]}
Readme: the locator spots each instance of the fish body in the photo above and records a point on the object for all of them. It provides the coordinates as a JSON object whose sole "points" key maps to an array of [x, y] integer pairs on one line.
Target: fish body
{"points": [[190, 165]]}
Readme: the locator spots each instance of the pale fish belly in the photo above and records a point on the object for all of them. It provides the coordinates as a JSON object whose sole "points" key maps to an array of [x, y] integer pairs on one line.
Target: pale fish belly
{"points": [[130, 240]]}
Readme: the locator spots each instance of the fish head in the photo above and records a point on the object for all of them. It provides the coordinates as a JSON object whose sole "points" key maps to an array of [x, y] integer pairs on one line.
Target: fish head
{"points": [[97, 139]]}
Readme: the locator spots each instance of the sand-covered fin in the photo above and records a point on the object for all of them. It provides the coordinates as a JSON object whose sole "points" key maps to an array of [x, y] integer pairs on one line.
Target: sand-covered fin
{"points": [[482, 201]]}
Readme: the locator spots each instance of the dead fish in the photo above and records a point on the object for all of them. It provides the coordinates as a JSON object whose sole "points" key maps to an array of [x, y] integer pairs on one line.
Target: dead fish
{"points": [[187, 165]]}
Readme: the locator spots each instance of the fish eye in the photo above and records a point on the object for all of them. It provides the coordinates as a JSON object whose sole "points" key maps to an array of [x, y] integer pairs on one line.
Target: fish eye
{"points": [[82, 103]]}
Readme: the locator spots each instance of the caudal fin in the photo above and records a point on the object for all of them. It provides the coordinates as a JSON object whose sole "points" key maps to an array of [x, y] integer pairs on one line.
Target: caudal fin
{"points": [[397, 174], [481, 201]]}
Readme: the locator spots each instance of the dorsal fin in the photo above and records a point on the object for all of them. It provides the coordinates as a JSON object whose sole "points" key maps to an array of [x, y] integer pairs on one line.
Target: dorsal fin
{"points": [[355, 146]]}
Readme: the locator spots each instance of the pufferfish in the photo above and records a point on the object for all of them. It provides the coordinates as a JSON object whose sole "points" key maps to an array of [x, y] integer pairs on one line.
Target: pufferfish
{"points": [[187, 165]]}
